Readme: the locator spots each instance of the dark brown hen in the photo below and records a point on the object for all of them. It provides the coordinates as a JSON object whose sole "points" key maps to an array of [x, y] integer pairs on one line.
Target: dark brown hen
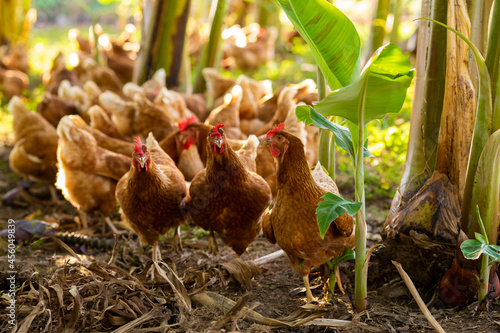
{"points": [[226, 198], [150, 193]]}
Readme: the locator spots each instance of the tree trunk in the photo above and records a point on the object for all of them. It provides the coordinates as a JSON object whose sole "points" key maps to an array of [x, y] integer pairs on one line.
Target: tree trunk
{"points": [[427, 103], [435, 209], [162, 41]]}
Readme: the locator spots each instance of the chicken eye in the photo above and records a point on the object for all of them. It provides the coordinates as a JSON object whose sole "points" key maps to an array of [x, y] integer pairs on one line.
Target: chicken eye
{"points": [[279, 137]]}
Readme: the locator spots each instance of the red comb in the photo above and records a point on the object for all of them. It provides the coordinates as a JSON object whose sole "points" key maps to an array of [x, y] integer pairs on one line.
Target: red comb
{"points": [[215, 129], [183, 124], [276, 128], [138, 146]]}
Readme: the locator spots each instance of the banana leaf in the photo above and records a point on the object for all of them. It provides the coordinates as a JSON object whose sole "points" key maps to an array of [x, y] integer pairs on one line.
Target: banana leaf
{"points": [[486, 190], [382, 86], [332, 37]]}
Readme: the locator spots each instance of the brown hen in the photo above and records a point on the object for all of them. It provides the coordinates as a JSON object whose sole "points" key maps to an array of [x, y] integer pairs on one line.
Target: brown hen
{"points": [[150, 194], [34, 152], [226, 198], [292, 222], [87, 173]]}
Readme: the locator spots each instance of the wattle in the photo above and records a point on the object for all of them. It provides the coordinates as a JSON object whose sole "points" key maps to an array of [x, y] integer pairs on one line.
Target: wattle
{"points": [[275, 152]]}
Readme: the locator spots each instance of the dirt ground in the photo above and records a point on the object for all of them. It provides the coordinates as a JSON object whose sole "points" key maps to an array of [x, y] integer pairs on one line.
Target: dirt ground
{"points": [[56, 292]]}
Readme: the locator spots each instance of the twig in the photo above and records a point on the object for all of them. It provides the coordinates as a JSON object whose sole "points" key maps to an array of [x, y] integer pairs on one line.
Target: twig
{"points": [[212, 299], [428, 315], [270, 257]]}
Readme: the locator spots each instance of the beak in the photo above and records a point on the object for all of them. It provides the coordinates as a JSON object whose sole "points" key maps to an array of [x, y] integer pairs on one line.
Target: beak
{"points": [[142, 161], [218, 142], [265, 142]]}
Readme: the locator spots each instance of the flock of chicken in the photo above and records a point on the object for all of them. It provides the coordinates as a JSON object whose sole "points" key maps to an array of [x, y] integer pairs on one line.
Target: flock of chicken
{"points": [[186, 163]]}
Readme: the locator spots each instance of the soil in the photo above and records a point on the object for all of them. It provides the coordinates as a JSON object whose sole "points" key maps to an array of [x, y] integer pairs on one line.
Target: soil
{"points": [[55, 291]]}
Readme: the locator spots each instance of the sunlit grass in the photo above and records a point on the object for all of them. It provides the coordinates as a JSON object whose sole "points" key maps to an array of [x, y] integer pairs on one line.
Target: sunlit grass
{"points": [[46, 42], [5, 125]]}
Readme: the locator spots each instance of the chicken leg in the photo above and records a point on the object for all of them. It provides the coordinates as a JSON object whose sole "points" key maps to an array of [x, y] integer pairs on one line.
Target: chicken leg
{"points": [[308, 289], [113, 228], [157, 274], [156, 252], [212, 243], [83, 219], [177, 243], [53, 195]]}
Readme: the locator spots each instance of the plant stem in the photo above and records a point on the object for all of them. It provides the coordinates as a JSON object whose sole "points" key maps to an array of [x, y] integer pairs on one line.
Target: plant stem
{"points": [[361, 271], [398, 4], [484, 280], [427, 101], [324, 156], [210, 51], [96, 42], [378, 32], [331, 169], [479, 12], [492, 56]]}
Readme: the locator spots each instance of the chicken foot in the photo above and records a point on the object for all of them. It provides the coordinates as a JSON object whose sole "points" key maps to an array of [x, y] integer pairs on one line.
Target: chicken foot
{"points": [[156, 273], [212, 243]]}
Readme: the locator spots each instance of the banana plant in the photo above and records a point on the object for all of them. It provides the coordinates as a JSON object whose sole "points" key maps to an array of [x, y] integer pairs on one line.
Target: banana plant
{"points": [[480, 247], [211, 52], [357, 97], [162, 41]]}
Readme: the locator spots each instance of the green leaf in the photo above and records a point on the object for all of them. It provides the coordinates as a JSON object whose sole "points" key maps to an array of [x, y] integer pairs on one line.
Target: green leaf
{"points": [[332, 207], [332, 37], [349, 254], [491, 252], [387, 77], [481, 238], [343, 137], [472, 249], [486, 190]]}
